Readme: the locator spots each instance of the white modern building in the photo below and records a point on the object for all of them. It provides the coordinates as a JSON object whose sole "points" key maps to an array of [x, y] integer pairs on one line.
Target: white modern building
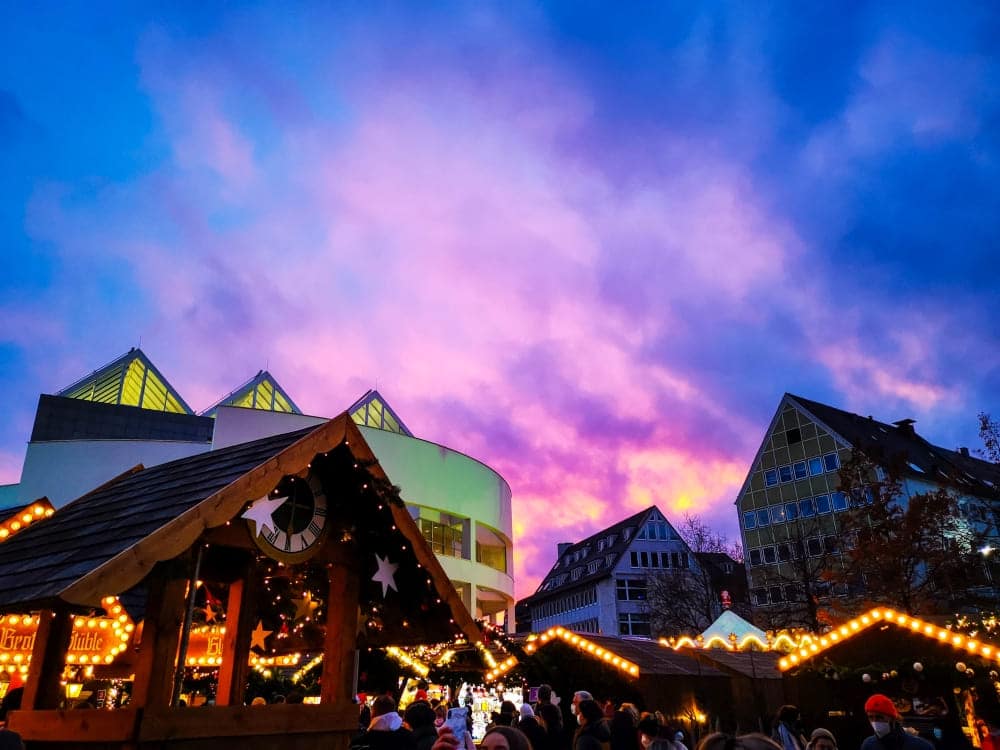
{"points": [[127, 413]]}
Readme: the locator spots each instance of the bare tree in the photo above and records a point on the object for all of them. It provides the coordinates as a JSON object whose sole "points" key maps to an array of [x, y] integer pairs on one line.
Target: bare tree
{"points": [[989, 432], [687, 600]]}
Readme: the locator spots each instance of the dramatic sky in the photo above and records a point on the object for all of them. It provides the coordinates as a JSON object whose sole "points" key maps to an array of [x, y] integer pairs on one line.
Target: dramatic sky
{"points": [[589, 246]]}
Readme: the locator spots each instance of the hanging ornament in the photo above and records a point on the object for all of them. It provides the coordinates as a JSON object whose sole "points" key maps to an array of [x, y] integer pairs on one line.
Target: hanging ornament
{"points": [[866, 677], [994, 675], [970, 673], [385, 574], [918, 667], [960, 666], [259, 635], [894, 674]]}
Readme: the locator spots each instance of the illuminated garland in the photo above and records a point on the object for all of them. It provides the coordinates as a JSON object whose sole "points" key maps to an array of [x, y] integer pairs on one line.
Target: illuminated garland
{"points": [[783, 641], [408, 661], [36, 512], [860, 624], [582, 644]]}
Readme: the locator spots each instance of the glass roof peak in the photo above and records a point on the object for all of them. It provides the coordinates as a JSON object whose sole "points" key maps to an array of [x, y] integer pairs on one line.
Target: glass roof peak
{"points": [[262, 392], [130, 380], [372, 410]]}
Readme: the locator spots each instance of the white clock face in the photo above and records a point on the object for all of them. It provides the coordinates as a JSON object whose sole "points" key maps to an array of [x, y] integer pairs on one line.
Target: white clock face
{"points": [[289, 523]]}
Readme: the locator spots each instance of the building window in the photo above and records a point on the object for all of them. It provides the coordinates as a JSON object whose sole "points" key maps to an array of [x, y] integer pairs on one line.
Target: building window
{"points": [[763, 519], [633, 557], [815, 466], [594, 566], [839, 500], [755, 559], [800, 470], [814, 547], [777, 513], [633, 623], [609, 560], [444, 538], [627, 534], [785, 473], [664, 559], [760, 597], [631, 589], [791, 511], [806, 508], [784, 553], [750, 520], [769, 555], [770, 477], [822, 503], [684, 560], [794, 436], [491, 550], [576, 573], [776, 595], [831, 461]]}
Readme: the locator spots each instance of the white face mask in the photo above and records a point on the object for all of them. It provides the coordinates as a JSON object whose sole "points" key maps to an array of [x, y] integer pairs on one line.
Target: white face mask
{"points": [[579, 719], [881, 728], [572, 708]]}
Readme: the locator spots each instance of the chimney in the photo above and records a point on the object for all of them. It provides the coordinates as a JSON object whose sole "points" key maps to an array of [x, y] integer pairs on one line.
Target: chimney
{"points": [[964, 451], [563, 546], [905, 426]]}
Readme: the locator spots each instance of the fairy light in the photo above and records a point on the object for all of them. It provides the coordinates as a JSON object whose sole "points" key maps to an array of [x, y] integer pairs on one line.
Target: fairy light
{"points": [[581, 644], [37, 511], [863, 622], [407, 661]]}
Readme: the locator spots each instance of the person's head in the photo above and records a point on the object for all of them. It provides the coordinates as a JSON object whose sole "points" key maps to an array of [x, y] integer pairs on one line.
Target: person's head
{"points": [[419, 714], [678, 736], [526, 711], [440, 713], [383, 705], [550, 716], [589, 712], [632, 711], [505, 738], [578, 696], [754, 741], [882, 714], [544, 693], [788, 714], [649, 730], [295, 696], [822, 739], [259, 701]]}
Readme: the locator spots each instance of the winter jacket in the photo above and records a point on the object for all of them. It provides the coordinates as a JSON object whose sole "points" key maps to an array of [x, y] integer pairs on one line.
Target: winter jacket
{"points": [[594, 736], [386, 732], [897, 739]]}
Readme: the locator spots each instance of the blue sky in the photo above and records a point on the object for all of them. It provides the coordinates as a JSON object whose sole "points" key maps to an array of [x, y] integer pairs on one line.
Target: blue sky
{"points": [[590, 245]]}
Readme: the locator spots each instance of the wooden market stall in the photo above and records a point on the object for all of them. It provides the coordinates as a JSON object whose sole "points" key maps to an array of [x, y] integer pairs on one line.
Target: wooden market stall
{"points": [[940, 680], [309, 512]]}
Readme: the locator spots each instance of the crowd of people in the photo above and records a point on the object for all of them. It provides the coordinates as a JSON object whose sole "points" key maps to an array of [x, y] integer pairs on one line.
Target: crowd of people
{"points": [[430, 725]]}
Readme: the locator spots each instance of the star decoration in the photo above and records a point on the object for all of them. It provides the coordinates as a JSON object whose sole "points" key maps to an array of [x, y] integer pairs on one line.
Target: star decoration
{"points": [[384, 574], [305, 606], [260, 512], [209, 613], [258, 636]]}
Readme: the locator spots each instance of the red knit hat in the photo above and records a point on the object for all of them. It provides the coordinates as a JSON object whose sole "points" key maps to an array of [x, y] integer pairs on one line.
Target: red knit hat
{"points": [[880, 704]]}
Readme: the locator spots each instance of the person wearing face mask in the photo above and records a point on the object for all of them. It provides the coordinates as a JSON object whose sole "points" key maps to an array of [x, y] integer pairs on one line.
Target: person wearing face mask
{"points": [[593, 732], [652, 736], [889, 734]]}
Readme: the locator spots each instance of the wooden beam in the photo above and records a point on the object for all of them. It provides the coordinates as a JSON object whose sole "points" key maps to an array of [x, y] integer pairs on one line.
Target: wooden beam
{"points": [[76, 727], [219, 722], [48, 657], [161, 630], [240, 611], [341, 642]]}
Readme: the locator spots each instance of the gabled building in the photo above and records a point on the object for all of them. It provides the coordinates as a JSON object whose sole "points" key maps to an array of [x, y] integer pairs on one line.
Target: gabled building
{"points": [[127, 414], [790, 507], [599, 585]]}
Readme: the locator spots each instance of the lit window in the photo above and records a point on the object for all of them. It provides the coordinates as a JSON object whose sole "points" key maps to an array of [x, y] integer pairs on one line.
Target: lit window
{"points": [[800, 470], [822, 503], [785, 473], [763, 519], [777, 513], [770, 477], [831, 462], [750, 520], [806, 508], [839, 500], [791, 511], [815, 466]]}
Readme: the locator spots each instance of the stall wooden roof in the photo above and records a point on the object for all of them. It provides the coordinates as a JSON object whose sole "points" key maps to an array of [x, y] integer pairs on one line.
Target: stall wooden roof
{"points": [[108, 540]]}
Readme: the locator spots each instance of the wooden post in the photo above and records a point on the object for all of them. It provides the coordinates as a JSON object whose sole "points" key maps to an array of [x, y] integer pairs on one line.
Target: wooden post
{"points": [[240, 612], [341, 625], [48, 658], [154, 666]]}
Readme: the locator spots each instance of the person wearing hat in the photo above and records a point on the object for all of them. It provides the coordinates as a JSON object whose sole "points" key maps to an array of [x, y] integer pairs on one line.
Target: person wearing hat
{"points": [[886, 723], [822, 739]]}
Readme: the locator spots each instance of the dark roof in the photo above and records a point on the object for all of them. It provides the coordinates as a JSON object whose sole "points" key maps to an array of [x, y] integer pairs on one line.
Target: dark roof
{"points": [[63, 418], [913, 455], [653, 658], [617, 549], [39, 563], [761, 665]]}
